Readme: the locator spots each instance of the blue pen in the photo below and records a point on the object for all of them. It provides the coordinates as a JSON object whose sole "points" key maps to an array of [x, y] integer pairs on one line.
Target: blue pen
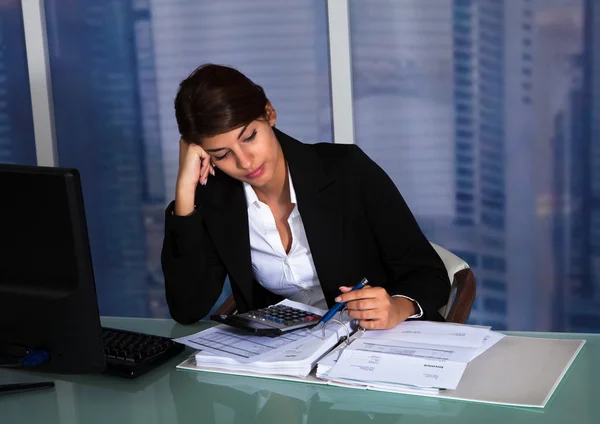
{"points": [[339, 305]]}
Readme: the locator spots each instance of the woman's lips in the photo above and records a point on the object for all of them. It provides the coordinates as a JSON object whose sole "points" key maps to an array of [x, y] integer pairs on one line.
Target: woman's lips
{"points": [[256, 173]]}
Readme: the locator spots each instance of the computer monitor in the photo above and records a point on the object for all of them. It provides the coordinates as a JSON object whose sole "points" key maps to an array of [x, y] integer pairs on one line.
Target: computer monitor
{"points": [[47, 290]]}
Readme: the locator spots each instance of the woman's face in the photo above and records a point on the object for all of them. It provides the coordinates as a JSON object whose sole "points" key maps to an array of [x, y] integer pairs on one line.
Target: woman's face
{"points": [[250, 153]]}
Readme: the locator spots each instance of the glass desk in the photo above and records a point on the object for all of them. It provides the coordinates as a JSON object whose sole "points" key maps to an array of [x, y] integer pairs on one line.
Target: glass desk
{"points": [[168, 395]]}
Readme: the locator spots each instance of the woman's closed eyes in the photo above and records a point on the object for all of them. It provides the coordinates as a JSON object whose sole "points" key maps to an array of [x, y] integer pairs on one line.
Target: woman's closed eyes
{"points": [[246, 140]]}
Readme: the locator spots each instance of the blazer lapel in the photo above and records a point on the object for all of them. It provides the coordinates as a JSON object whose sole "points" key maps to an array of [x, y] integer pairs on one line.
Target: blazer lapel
{"points": [[321, 208], [229, 226]]}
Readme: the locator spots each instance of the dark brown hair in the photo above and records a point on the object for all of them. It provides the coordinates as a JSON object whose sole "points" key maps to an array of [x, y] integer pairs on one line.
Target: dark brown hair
{"points": [[216, 99]]}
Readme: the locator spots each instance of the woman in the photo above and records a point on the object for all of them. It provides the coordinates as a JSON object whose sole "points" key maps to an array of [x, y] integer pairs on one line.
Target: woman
{"points": [[285, 219]]}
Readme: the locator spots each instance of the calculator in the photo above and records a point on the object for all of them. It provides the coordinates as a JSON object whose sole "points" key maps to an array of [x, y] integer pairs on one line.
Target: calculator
{"points": [[272, 321]]}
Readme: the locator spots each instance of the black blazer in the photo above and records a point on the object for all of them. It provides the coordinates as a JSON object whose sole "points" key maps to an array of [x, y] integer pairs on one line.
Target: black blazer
{"points": [[356, 222]]}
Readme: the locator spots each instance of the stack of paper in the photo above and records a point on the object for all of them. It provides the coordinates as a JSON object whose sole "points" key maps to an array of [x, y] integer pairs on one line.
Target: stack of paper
{"points": [[414, 356], [293, 354]]}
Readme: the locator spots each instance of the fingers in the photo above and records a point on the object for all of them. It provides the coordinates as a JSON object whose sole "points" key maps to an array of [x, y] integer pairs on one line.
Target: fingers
{"points": [[205, 164], [366, 292], [204, 169], [346, 289], [369, 305], [364, 304], [369, 314], [376, 324]]}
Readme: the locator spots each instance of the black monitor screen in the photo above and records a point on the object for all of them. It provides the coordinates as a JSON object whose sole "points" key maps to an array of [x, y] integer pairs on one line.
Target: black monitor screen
{"points": [[37, 250]]}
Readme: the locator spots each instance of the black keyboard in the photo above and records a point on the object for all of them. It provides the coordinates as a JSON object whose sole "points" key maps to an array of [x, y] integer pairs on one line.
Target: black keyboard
{"points": [[130, 354]]}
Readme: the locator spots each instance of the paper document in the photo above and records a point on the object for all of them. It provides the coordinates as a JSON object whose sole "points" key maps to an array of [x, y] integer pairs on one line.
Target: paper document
{"points": [[433, 333], [373, 367], [245, 347], [294, 353], [415, 354], [416, 350], [240, 345]]}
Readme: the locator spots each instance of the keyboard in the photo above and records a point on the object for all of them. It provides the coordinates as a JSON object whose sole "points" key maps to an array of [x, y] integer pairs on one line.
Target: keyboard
{"points": [[129, 354]]}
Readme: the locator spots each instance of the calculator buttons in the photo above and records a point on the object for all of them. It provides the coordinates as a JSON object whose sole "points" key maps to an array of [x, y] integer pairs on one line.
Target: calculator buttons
{"points": [[284, 316]]}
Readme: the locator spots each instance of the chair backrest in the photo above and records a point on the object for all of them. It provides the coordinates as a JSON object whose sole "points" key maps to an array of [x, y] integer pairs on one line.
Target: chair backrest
{"points": [[462, 286], [462, 289]]}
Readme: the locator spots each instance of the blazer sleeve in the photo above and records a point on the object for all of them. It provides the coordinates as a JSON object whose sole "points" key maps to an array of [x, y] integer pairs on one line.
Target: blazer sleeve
{"points": [[413, 267], [194, 273]]}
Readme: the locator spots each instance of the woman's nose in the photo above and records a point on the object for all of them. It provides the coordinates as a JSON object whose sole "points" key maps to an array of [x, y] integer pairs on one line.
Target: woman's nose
{"points": [[245, 160]]}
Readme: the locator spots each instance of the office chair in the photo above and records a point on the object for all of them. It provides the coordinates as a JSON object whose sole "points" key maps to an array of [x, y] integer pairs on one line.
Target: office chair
{"points": [[462, 286], [462, 289]]}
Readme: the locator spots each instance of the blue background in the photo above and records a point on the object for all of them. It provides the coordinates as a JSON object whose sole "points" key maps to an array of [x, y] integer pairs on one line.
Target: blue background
{"points": [[486, 113]]}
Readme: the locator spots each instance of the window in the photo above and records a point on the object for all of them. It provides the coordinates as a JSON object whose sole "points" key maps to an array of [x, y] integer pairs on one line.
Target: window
{"points": [[464, 184], [493, 220], [464, 222], [461, 16], [462, 108], [463, 121], [464, 172], [17, 144], [492, 284], [491, 204], [464, 134], [116, 66], [468, 257], [462, 43], [462, 55], [464, 197], [464, 147], [464, 159], [493, 263], [494, 305], [464, 210]]}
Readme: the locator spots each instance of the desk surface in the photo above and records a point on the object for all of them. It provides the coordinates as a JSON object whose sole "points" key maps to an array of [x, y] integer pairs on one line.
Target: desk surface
{"points": [[168, 395]]}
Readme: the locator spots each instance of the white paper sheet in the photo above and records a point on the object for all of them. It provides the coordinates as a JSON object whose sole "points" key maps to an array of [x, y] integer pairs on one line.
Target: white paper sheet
{"points": [[416, 350], [244, 347], [371, 367], [439, 334], [240, 345]]}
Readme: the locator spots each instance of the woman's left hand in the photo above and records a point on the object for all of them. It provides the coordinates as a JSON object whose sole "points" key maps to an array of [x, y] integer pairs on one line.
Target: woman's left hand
{"points": [[375, 308]]}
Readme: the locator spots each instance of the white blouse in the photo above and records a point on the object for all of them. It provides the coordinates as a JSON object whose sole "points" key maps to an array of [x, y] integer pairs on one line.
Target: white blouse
{"points": [[291, 275]]}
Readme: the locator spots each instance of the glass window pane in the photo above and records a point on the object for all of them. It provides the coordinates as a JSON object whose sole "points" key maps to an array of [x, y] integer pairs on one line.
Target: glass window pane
{"points": [[281, 45], [17, 143], [116, 66], [424, 77]]}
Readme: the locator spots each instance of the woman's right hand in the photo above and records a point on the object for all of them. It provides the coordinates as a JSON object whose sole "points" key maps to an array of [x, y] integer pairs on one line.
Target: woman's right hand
{"points": [[194, 167]]}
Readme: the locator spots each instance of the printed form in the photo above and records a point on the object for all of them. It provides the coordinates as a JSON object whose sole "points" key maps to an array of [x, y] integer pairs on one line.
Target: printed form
{"points": [[244, 347], [422, 354]]}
